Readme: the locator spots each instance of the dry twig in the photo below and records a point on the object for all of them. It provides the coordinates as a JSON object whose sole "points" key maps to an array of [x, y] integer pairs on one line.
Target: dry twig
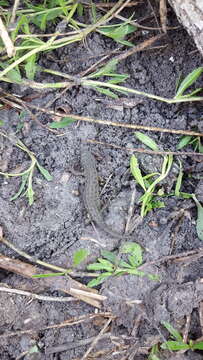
{"points": [[163, 14], [36, 296], [69, 322], [145, 151], [97, 338], [10, 49]]}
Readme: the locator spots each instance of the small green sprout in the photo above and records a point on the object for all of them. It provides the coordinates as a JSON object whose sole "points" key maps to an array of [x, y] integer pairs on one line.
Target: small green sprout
{"points": [[191, 140], [148, 200], [108, 264], [176, 343], [187, 82], [26, 175], [78, 257]]}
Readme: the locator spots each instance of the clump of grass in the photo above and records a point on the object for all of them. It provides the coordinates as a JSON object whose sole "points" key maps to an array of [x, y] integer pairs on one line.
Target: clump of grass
{"points": [[108, 264], [26, 188], [175, 343], [148, 184]]}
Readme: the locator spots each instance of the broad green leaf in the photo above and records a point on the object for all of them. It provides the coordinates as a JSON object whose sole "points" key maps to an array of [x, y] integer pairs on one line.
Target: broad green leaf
{"points": [[135, 170], [22, 186], [124, 264], [117, 32], [44, 172], [80, 9], [106, 92], [107, 69], [14, 74], [120, 272], [132, 260], [99, 280], [30, 67], [111, 256], [118, 79], [174, 346], [198, 346], [185, 140], [65, 121], [135, 272], [42, 19], [96, 267], [145, 139], [106, 263], [100, 266], [1, 123], [177, 336], [136, 253], [25, 25], [188, 81], [199, 223], [79, 256]]}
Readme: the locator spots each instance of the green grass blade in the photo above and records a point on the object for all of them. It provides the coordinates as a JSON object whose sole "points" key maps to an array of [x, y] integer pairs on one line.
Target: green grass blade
{"points": [[176, 335], [179, 180], [188, 81], [106, 92], [199, 223], [198, 346], [65, 121], [79, 256], [107, 69], [109, 255], [174, 346], [135, 170], [185, 140], [99, 280], [48, 275], [22, 186], [145, 139], [44, 172]]}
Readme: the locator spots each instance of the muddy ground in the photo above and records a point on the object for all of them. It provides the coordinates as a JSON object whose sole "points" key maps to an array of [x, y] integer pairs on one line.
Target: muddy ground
{"points": [[55, 226]]}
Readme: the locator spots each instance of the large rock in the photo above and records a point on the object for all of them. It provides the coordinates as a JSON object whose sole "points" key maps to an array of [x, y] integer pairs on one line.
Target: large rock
{"points": [[190, 14]]}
